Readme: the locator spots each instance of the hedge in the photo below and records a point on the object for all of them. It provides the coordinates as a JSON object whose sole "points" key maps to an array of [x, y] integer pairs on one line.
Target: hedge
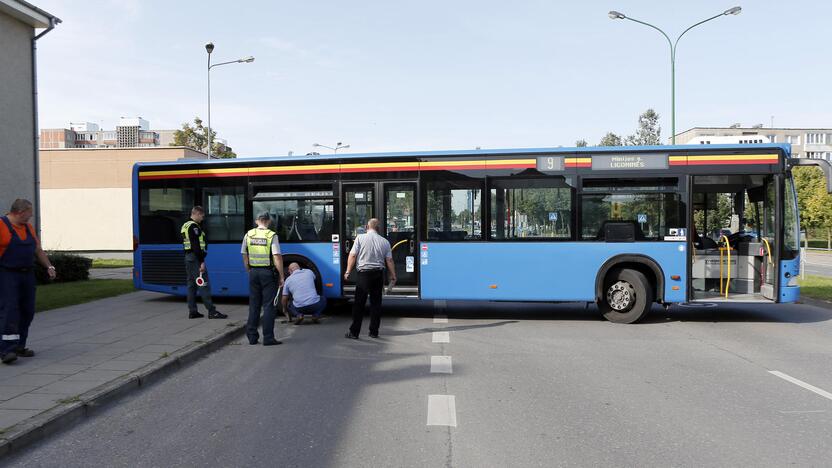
{"points": [[70, 267]]}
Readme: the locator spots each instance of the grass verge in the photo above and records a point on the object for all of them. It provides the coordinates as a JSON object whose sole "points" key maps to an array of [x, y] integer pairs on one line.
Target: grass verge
{"points": [[111, 262], [52, 296], [816, 287]]}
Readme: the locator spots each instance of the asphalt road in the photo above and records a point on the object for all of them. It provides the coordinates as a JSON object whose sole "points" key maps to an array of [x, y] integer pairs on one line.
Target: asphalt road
{"points": [[533, 385], [818, 263]]}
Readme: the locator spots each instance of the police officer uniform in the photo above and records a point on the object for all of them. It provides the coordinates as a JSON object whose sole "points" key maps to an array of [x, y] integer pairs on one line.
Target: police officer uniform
{"points": [[260, 244], [196, 249]]}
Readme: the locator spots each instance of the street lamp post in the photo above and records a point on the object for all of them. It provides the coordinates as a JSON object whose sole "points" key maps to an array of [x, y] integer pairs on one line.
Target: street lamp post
{"points": [[616, 15], [209, 47], [335, 149]]}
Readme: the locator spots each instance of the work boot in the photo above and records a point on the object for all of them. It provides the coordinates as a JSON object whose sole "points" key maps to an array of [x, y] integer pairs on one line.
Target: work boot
{"points": [[272, 343], [217, 315], [8, 357], [24, 352], [194, 315]]}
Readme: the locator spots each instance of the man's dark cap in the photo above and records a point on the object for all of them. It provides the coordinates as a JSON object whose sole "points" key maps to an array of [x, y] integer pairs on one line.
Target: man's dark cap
{"points": [[265, 216]]}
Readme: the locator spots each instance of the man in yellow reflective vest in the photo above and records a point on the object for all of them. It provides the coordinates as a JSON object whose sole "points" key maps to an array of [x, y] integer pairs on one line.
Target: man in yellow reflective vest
{"points": [[196, 249], [261, 257]]}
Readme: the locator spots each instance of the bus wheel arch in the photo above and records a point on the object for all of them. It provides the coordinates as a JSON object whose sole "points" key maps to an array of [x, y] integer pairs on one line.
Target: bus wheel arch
{"points": [[306, 263], [627, 286]]}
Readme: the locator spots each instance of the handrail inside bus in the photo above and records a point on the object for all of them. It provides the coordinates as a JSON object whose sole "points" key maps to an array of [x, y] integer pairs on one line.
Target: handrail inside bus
{"points": [[823, 164], [768, 248], [728, 280]]}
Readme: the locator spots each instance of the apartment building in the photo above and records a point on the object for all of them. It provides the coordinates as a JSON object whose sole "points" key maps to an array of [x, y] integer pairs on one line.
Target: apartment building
{"points": [[813, 143]]}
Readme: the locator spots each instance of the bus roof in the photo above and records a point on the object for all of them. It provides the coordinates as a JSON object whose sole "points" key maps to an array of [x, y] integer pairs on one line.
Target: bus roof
{"points": [[784, 147]]}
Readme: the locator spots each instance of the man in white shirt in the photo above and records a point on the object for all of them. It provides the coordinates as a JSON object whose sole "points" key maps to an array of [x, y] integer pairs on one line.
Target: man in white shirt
{"points": [[300, 285], [371, 252]]}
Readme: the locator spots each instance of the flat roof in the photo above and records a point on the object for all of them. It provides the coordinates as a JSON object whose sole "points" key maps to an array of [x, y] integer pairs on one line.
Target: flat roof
{"points": [[755, 128], [785, 147]]}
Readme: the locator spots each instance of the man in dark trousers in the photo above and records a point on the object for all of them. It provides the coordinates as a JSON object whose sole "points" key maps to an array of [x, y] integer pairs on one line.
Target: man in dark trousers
{"points": [[371, 252], [193, 241], [261, 257], [18, 249]]}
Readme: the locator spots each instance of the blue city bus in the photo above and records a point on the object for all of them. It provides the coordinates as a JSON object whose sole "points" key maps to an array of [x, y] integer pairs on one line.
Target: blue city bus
{"points": [[622, 227]]}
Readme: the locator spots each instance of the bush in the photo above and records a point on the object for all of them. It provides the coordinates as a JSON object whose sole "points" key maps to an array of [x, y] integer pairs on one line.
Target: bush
{"points": [[70, 267]]}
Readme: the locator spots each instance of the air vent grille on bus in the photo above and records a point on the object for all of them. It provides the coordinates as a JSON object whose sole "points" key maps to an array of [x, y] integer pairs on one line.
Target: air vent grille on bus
{"points": [[165, 267]]}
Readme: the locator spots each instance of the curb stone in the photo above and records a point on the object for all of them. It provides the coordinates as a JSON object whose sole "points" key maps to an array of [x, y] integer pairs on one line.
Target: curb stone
{"points": [[76, 408]]}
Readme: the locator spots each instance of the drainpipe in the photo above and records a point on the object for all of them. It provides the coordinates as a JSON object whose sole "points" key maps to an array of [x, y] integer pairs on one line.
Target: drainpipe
{"points": [[52, 23]]}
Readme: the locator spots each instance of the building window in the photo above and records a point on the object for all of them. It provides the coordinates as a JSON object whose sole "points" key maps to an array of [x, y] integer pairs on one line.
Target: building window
{"points": [[793, 139], [815, 138], [772, 138]]}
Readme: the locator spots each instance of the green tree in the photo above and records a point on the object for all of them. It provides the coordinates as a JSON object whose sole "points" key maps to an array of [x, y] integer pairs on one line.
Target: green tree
{"points": [[581, 143], [196, 137], [611, 139], [649, 132], [814, 203]]}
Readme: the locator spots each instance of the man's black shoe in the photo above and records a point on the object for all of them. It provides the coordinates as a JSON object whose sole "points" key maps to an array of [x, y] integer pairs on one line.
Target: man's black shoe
{"points": [[272, 343], [24, 352], [299, 320], [193, 315], [9, 357], [217, 315], [253, 342], [373, 335], [351, 336]]}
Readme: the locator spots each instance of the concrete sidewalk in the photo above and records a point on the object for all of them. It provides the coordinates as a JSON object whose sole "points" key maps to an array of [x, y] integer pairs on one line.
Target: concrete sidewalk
{"points": [[91, 350]]}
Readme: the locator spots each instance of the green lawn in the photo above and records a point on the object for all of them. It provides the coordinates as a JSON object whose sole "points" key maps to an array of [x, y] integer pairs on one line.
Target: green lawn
{"points": [[816, 287], [52, 296], [111, 262]]}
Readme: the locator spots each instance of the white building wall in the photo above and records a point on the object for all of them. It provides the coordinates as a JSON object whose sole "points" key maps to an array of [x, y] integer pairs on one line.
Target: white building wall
{"points": [[87, 219]]}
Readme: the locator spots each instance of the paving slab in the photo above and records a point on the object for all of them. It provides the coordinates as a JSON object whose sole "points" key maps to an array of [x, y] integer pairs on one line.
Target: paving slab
{"points": [[90, 353]]}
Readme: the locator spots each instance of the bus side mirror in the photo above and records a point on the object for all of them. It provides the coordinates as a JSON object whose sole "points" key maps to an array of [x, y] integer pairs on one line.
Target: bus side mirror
{"points": [[821, 163]]}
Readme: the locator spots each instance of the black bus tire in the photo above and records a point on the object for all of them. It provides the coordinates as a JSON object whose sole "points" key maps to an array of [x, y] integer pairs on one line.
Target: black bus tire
{"points": [[627, 296]]}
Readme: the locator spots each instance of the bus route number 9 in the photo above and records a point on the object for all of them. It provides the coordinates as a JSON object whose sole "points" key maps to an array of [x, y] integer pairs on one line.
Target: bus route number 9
{"points": [[549, 163]]}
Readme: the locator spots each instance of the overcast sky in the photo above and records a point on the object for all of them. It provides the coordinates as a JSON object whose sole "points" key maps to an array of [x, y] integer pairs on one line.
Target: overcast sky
{"points": [[452, 74]]}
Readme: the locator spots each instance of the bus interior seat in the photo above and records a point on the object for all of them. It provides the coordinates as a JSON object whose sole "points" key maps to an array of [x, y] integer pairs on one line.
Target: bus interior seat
{"points": [[616, 230]]}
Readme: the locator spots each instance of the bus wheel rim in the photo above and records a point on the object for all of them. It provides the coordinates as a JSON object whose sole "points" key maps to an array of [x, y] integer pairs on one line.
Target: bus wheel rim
{"points": [[621, 296]]}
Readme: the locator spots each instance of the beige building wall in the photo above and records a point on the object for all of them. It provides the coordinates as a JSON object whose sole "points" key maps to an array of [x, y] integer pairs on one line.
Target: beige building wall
{"points": [[86, 200]]}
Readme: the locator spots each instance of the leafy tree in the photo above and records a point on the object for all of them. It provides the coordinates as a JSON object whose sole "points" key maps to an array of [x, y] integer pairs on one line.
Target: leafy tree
{"points": [[196, 137], [611, 139], [814, 203], [649, 132], [581, 143]]}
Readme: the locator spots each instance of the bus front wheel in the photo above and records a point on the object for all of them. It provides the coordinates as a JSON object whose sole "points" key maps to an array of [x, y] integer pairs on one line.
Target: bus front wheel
{"points": [[627, 296]]}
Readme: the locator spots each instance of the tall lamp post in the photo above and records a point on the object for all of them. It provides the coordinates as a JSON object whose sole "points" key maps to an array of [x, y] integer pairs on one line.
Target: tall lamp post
{"points": [[617, 15], [334, 149], [209, 47]]}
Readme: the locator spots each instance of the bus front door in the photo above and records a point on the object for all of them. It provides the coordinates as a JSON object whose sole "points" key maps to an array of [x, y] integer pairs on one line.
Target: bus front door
{"points": [[359, 207], [399, 227]]}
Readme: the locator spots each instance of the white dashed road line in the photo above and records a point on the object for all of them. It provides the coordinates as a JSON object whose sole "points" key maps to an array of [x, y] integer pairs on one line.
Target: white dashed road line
{"points": [[441, 337], [801, 383], [440, 319], [441, 410], [441, 365]]}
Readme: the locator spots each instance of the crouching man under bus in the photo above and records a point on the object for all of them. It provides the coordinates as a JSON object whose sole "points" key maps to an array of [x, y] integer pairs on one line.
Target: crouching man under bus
{"points": [[305, 300]]}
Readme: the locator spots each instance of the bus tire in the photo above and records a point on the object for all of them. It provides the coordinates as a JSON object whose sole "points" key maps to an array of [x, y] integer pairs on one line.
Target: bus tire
{"points": [[627, 296]]}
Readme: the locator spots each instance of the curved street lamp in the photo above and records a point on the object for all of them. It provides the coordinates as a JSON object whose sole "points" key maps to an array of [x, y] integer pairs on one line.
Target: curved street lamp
{"points": [[617, 15], [209, 47], [334, 149]]}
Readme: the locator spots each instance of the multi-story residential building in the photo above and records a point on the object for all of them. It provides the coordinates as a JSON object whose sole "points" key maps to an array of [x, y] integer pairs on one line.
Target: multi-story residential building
{"points": [[129, 133], [813, 143]]}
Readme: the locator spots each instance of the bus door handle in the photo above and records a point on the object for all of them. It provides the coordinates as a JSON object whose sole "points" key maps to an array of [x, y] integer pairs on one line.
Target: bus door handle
{"points": [[412, 246]]}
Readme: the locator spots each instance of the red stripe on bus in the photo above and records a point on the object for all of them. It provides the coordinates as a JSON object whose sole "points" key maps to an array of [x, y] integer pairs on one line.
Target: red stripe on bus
{"points": [[693, 162]]}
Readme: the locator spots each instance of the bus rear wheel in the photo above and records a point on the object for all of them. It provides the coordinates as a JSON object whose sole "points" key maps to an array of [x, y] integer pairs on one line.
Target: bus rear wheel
{"points": [[627, 296]]}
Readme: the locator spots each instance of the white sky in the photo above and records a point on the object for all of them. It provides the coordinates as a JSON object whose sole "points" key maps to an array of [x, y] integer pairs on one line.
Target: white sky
{"points": [[399, 76]]}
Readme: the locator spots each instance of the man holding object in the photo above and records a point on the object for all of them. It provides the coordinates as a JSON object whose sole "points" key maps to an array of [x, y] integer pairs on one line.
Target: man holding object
{"points": [[371, 252]]}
